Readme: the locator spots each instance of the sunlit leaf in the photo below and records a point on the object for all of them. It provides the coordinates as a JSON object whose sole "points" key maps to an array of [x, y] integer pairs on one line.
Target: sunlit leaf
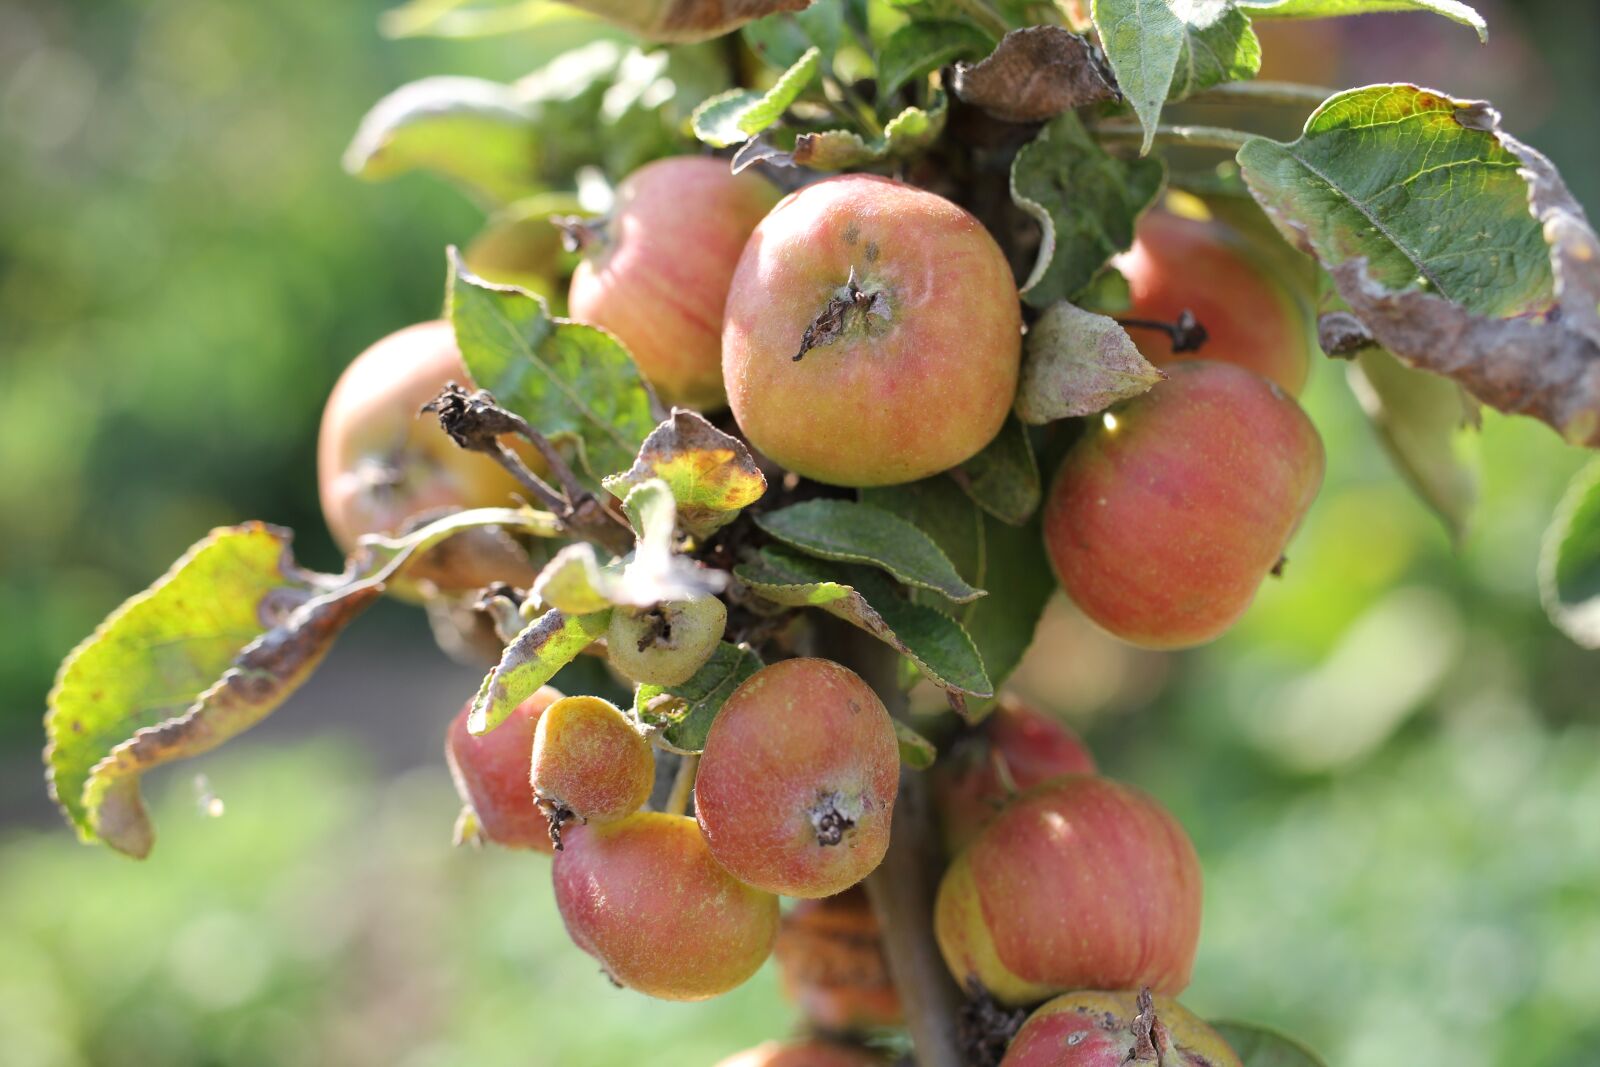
{"points": [[1166, 50], [549, 643], [206, 652], [711, 474], [735, 116], [1321, 9], [1078, 363]]}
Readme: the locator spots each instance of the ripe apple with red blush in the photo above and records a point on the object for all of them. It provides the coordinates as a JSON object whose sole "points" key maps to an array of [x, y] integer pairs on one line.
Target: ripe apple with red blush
{"points": [[1080, 883], [1170, 511], [656, 271], [872, 334], [491, 774], [1017, 748]]}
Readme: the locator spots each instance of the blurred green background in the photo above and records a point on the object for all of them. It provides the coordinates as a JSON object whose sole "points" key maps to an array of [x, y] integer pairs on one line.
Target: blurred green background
{"points": [[1391, 769]]}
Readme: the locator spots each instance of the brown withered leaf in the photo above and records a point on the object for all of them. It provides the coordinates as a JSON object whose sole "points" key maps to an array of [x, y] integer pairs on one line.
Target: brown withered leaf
{"points": [[1035, 74], [682, 21]]}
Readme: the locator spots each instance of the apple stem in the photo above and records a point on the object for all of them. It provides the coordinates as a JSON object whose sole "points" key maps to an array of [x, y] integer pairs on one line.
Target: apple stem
{"points": [[476, 422], [1187, 334], [1217, 137]]}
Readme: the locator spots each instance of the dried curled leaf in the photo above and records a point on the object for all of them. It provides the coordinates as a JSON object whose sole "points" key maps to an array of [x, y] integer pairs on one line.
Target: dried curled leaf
{"points": [[206, 652], [711, 474], [1035, 74], [1508, 305], [679, 21]]}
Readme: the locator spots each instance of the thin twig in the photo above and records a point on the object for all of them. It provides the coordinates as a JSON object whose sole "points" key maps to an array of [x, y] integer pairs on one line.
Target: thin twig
{"points": [[530, 481], [1285, 94], [1193, 136]]}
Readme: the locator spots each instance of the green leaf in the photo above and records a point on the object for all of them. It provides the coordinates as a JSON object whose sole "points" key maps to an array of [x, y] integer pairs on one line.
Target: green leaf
{"points": [[475, 132], [566, 378], [1166, 50], [916, 751], [782, 39], [1260, 1047], [1009, 561], [1321, 9], [908, 133], [711, 474], [205, 653], [936, 643], [735, 116], [849, 532], [1419, 418], [687, 710], [1085, 200], [1412, 182], [1569, 565], [1078, 363], [1003, 479], [922, 46], [547, 644]]}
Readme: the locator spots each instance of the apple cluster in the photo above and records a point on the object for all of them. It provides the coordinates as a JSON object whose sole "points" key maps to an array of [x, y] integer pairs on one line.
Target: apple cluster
{"points": [[864, 332]]}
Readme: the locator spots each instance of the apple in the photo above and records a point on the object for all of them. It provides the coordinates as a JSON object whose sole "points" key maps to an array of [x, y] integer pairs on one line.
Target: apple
{"points": [[873, 334], [491, 774], [1096, 1029]]}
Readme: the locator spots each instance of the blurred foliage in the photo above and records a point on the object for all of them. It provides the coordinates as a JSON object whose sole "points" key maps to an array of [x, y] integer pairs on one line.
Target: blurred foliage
{"points": [[1390, 768]]}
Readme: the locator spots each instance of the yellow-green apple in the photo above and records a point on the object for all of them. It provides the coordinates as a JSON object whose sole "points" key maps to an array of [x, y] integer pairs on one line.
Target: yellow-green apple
{"points": [[665, 644], [590, 762]]}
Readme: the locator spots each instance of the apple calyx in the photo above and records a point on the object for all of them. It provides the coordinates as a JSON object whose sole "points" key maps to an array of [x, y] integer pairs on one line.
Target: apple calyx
{"points": [[831, 323], [557, 812], [829, 819]]}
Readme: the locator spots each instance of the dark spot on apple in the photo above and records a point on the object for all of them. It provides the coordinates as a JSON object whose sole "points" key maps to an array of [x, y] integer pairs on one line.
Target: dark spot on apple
{"points": [[871, 251], [851, 234]]}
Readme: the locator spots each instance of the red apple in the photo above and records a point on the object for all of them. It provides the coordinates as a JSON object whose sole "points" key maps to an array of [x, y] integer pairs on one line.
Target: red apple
{"points": [[491, 774], [872, 334], [382, 466], [798, 778], [1017, 749], [658, 271], [1114, 1030], [1079, 883], [1167, 515], [644, 897], [1252, 318]]}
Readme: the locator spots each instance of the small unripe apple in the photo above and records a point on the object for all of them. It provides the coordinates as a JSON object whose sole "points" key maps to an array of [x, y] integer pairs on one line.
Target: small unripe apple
{"points": [[1018, 748], [382, 465], [491, 774], [657, 271], [666, 644], [872, 335], [1081, 883], [590, 762], [809, 1052], [644, 896], [1251, 317], [831, 963], [1168, 514], [1093, 1029], [797, 782]]}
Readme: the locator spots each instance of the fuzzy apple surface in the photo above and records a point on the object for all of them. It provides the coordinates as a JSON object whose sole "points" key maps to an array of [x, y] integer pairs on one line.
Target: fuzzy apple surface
{"points": [[658, 270], [644, 897], [1167, 515], [797, 782], [491, 774], [831, 964], [903, 314], [590, 761], [1018, 748], [382, 465], [1095, 1029], [1079, 883], [1251, 318]]}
